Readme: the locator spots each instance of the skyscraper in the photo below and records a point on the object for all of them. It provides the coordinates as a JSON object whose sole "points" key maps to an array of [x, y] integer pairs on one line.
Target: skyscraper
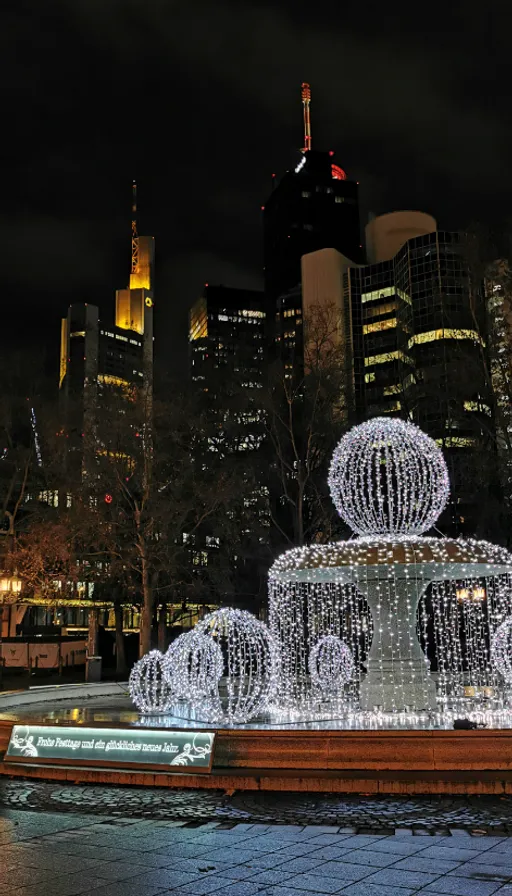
{"points": [[228, 365], [314, 206], [96, 355], [412, 325]]}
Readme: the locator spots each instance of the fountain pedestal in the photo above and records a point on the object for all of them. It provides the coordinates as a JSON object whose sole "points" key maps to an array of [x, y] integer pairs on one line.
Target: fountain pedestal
{"points": [[398, 677]]}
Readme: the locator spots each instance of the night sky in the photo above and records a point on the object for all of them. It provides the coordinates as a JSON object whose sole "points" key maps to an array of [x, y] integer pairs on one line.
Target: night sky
{"points": [[200, 101]]}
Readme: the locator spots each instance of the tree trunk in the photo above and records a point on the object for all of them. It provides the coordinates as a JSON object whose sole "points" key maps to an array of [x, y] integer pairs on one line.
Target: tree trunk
{"points": [[120, 651], [92, 640], [162, 628], [146, 618]]}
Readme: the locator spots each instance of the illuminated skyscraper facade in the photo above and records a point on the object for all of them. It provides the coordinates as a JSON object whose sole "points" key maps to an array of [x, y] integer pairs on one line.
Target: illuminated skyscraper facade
{"points": [[418, 344], [96, 354]]}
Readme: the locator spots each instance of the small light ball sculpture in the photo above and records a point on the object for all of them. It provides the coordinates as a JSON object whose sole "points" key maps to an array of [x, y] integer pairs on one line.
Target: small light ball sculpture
{"points": [[171, 657], [331, 666], [501, 650], [193, 667], [250, 664], [149, 689], [387, 477]]}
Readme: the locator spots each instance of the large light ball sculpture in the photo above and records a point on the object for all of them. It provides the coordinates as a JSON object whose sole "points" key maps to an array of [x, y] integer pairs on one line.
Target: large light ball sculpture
{"points": [[250, 664], [193, 667], [149, 689], [387, 477], [331, 666], [501, 650]]}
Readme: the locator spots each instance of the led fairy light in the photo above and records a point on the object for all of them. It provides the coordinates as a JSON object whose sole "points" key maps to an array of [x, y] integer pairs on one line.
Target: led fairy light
{"points": [[388, 477], [193, 667], [305, 588], [501, 650], [331, 666], [251, 664], [149, 689]]}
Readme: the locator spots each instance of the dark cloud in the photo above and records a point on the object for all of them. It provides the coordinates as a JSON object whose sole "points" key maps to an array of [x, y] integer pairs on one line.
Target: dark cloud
{"points": [[201, 102]]}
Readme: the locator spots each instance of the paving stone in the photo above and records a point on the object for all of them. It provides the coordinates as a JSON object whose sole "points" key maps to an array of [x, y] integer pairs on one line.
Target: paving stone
{"points": [[426, 814], [457, 886], [231, 856], [242, 872], [418, 863], [305, 848], [369, 857], [204, 886], [269, 877], [478, 871], [114, 871], [490, 856], [463, 841], [64, 886], [329, 852], [338, 839], [391, 877], [241, 888], [398, 847], [278, 891], [452, 855], [302, 864], [358, 840], [364, 889], [313, 883], [269, 860], [129, 888], [344, 870]]}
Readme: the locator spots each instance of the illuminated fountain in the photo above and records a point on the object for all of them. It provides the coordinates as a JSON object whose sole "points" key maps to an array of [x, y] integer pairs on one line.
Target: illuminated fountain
{"points": [[396, 598], [391, 624]]}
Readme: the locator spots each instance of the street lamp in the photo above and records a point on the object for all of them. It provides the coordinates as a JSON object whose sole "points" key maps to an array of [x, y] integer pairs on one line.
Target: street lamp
{"points": [[11, 585]]}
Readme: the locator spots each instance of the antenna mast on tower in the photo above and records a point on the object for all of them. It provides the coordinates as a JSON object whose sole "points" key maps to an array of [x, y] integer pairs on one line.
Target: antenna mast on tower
{"points": [[135, 235], [306, 102]]}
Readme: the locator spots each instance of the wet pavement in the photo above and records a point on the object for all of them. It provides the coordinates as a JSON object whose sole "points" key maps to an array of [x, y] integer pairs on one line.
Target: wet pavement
{"points": [[70, 853]]}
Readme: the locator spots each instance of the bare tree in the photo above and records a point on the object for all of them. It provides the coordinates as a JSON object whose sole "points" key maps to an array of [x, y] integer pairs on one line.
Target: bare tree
{"points": [[306, 414], [151, 498]]}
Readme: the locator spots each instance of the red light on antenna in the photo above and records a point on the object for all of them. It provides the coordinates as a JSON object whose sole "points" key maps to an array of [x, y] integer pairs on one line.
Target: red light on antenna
{"points": [[206, 284], [263, 208], [273, 175], [108, 499], [331, 152]]}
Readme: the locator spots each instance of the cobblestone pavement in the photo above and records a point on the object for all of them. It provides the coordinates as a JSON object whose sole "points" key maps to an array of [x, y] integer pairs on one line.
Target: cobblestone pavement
{"points": [[69, 854], [380, 815]]}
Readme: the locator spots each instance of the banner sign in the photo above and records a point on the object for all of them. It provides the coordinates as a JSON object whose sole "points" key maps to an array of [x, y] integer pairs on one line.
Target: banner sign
{"points": [[172, 751]]}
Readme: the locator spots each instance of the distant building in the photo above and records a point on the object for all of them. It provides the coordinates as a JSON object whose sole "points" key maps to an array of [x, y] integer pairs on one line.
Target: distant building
{"points": [[314, 206], [228, 341], [412, 325], [96, 354]]}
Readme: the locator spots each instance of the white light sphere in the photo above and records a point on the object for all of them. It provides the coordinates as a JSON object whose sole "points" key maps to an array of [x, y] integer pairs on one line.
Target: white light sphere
{"points": [[501, 650], [387, 477], [193, 666], [173, 651], [148, 686], [331, 666], [250, 662]]}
